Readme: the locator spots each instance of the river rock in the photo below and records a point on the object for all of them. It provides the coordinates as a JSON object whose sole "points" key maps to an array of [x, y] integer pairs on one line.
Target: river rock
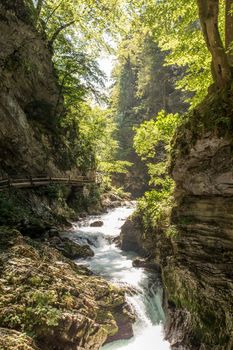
{"points": [[42, 294], [111, 200], [98, 223], [146, 264], [124, 323], [70, 249], [131, 235]]}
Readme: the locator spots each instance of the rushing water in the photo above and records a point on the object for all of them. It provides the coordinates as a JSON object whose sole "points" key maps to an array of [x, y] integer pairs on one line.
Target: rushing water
{"points": [[116, 266]]}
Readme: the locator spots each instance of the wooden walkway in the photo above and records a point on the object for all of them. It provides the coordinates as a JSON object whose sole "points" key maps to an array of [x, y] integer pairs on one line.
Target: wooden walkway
{"points": [[30, 182]]}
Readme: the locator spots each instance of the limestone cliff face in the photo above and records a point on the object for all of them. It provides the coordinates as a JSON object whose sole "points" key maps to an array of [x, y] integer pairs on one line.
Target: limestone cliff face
{"points": [[30, 99], [197, 261], [198, 275]]}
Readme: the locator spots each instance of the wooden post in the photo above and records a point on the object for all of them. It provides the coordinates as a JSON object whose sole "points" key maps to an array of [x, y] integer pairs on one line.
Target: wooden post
{"points": [[31, 181], [9, 182]]}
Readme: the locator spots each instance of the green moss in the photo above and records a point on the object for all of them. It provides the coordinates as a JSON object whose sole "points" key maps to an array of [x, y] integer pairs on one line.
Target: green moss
{"points": [[205, 319], [44, 295], [12, 340], [10, 211], [172, 231]]}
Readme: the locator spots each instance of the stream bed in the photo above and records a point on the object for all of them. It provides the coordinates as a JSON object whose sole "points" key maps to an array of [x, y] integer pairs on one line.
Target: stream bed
{"points": [[115, 265]]}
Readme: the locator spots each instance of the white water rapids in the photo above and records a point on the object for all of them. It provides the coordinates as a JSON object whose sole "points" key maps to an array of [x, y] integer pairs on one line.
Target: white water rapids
{"points": [[116, 266]]}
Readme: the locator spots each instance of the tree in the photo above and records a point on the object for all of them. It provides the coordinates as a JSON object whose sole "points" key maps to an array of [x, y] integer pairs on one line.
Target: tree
{"points": [[179, 27], [176, 27], [221, 59], [87, 19], [143, 86], [152, 136], [229, 30]]}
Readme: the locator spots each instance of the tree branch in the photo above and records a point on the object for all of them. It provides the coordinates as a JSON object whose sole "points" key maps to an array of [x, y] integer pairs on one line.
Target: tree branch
{"points": [[54, 10], [58, 31]]}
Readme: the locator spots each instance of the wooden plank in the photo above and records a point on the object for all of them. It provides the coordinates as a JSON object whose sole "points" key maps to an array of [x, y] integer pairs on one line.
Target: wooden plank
{"points": [[21, 185], [40, 179], [18, 181], [22, 182]]}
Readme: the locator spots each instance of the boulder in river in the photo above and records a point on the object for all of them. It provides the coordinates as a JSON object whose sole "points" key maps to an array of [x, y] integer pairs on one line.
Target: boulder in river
{"points": [[131, 236], [146, 264], [124, 323], [98, 223]]}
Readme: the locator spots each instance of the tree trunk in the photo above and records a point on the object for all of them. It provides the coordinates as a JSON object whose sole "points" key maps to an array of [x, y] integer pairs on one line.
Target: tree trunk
{"points": [[39, 8], [229, 30], [208, 13]]}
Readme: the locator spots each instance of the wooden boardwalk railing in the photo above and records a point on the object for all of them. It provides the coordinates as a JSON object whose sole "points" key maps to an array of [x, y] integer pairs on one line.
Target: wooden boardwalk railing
{"points": [[30, 182]]}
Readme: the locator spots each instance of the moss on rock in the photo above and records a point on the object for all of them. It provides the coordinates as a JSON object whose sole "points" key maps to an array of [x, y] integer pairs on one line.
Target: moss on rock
{"points": [[12, 340], [42, 294]]}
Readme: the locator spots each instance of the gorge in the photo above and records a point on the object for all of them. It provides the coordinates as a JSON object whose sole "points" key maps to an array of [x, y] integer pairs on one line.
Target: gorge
{"points": [[119, 232]]}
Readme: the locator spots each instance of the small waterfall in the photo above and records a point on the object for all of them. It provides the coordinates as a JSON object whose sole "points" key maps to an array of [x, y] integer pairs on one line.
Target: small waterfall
{"points": [[116, 266]]}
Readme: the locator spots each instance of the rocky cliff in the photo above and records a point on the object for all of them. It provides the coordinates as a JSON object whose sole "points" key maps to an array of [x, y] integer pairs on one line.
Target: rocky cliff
{"points": [[197, 259], [46, 300], [30, 99], [198, 276], [32, 139]]}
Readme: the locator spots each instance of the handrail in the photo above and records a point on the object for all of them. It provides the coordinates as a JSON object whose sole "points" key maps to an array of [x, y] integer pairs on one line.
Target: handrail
{"points": [[27, 182]]}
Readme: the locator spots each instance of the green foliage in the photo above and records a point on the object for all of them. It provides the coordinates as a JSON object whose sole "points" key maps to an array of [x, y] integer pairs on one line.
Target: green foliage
{"points": [[9, 211], [171, 231], [118, 166], [156, 204], [154, 207], [38, 311], [87, 20], [150, 133], [177, 28], [143, 86], [78, 32], [54, 192]]}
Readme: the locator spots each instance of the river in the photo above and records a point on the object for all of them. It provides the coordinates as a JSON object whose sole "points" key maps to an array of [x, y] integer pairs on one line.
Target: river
{"points": [[116, 266]]}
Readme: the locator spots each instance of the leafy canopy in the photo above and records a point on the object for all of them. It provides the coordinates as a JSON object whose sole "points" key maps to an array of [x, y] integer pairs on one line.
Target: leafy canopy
{"points": [[176, 27], [152, 143], [158, 130]]}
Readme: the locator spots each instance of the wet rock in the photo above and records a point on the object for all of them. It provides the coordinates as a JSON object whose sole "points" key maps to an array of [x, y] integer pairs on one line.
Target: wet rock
{"points": [[111, 200], [132, 235], [53, 232], [70, 249], [124, 321], [98, 223], [147, 264], [117, 241]]}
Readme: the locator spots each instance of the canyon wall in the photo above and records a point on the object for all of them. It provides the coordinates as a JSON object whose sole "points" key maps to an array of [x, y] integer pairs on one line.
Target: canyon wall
{"points": [[31, 102], [197, 255], [199, 273]]}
